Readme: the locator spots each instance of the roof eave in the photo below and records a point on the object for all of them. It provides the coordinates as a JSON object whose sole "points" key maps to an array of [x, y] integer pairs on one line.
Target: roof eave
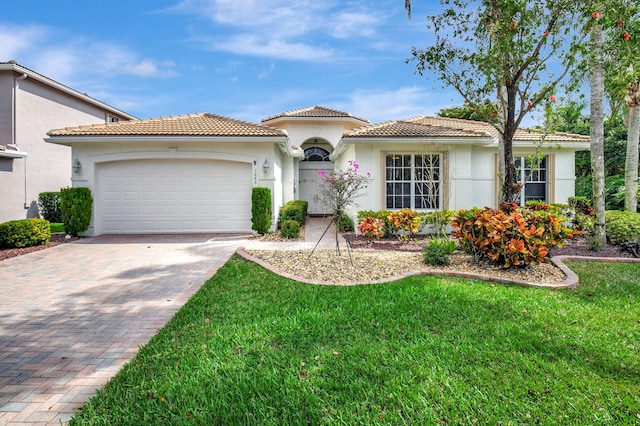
{"points": [[421, 140], [61, 87], [13, 154], [70, 140], [577, 146]]}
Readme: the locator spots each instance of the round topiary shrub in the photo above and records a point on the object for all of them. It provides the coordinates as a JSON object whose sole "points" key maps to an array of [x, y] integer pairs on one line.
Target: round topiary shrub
{"points": [[290, 229]]}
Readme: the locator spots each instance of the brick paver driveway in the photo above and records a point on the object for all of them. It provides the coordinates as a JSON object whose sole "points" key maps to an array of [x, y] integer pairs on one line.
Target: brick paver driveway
{"points": [[72, 315]]}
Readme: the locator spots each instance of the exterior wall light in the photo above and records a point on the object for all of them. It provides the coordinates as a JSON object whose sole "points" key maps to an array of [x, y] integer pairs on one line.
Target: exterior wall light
{"points": [[77, 166], [266, 166]]}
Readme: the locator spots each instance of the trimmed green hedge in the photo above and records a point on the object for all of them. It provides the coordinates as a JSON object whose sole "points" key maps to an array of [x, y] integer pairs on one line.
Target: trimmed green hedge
{"points": [[24, 233], [290, 229], [294, 210], [261, 209], [76, 205], [49, 203]]}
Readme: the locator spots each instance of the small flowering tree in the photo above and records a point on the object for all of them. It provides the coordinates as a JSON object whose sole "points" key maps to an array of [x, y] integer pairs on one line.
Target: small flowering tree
{"points": [[340, 190]]}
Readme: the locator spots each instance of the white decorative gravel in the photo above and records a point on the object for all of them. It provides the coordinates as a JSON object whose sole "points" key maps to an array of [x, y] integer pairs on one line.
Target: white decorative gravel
{"points": [[368, 265]]}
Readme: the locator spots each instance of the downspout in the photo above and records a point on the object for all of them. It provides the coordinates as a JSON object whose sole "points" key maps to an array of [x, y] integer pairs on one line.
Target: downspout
{"points": [[14, 132]]}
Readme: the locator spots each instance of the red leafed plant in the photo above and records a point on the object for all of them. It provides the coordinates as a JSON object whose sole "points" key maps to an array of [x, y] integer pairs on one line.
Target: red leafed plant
{"points": [[371, 228], [509, 238]]}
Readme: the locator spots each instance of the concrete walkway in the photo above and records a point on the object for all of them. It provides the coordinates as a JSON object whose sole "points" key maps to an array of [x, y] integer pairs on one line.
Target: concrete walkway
{"points": [[71, 316]]}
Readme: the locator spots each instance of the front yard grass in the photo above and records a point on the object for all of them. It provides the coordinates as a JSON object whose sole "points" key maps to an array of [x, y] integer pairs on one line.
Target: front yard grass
{"points": [[254, 348]]}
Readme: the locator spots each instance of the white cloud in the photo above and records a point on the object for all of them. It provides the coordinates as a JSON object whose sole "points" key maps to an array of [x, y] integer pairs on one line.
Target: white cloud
{"points": [[266, 73], [62, 57], [405, 102], [15, 40], [348, 24], [300, 31], [253, 45]]}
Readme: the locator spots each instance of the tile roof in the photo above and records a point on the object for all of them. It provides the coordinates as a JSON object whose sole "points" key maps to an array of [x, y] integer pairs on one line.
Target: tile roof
{"points": [[202, 124], [409, 129], [479, 126], [314, 112]]}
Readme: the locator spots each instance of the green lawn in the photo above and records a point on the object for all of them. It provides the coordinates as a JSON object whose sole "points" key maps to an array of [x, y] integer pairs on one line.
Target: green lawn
{"points": [[254, 348], [56, 227]]}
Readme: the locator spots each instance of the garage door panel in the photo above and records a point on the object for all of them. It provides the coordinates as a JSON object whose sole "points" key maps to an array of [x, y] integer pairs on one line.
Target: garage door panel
{"points": [[166, 196]]}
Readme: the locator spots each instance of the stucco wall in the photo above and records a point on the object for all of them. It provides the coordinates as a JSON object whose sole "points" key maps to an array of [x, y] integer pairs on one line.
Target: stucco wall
{"points": [[47, 167], [469, 172]]}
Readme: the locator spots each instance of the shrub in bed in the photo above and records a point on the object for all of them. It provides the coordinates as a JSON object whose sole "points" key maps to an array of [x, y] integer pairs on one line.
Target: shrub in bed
{"points": [[345, 224], [49, 203], [382, 215], [437, 252], [623, 228], [76, 205], [290, 229], [408, 222], [371, 227], [509, 238], [261, 209], [24, 233], [294, 210], [438, 220]]}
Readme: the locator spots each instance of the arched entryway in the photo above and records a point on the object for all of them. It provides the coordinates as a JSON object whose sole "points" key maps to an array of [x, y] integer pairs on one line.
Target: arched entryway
{"points": [[316, 158]]}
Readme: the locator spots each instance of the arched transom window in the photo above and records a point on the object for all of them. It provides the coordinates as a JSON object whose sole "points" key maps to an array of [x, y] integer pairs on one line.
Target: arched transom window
{"points": [[316, 154]]}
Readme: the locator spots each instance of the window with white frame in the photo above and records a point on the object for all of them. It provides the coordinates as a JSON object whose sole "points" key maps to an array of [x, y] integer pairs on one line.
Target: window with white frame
{"points": [[413, 181], [532, 171]]}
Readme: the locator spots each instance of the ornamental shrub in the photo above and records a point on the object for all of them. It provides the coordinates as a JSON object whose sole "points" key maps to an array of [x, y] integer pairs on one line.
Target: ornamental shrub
{"points": [[437, 252], [438, 220], [76, 205], [24, 233], [261, 210], [382, 215], [290, 229], [49, 203], [345, 224], [537, 205], [622, 227], [294, 210], [516, 238], [407, 221], [371, 227], [581, 205]]}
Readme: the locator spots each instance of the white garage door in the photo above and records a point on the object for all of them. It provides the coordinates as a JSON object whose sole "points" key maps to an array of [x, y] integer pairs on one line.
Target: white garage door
{"points": [[174, 196]]}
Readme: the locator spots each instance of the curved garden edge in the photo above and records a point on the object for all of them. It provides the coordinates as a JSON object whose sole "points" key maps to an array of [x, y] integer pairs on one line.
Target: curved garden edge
{"points": [[571, 280]]}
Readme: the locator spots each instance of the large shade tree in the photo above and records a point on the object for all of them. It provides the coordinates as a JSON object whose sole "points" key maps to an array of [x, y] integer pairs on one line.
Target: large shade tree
{"points": [[511, 52]]}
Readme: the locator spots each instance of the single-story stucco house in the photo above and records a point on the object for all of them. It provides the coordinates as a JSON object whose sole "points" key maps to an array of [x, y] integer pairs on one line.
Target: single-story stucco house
{"points": [[194, 173]]}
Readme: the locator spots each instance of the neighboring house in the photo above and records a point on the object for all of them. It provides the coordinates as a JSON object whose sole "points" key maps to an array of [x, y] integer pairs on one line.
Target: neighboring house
{"points": [[30, 105], [194, 173]]}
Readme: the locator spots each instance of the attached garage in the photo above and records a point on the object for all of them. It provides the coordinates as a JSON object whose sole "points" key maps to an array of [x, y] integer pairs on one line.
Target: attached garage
{"points": [[174, 196]]}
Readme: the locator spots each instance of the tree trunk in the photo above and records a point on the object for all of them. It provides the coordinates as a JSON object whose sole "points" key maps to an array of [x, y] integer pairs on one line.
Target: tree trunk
{"points": [[631, 164], [597, 132]]}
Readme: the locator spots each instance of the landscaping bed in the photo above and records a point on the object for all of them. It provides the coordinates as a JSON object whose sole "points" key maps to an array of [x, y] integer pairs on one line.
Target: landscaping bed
{"points": [[366, 265], [56, 239], [576, 246]]}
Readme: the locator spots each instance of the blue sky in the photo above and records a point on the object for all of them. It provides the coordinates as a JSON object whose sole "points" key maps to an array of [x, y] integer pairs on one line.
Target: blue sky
{"points": [[246, 59]]}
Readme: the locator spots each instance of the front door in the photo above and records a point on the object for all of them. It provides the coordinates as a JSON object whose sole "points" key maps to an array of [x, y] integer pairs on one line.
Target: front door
{"points": [[316, 159]]}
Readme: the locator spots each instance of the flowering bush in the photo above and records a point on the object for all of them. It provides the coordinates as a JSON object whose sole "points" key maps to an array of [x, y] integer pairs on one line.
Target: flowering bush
{"points": [[510, 238], [371, 228], [339, 190]]}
